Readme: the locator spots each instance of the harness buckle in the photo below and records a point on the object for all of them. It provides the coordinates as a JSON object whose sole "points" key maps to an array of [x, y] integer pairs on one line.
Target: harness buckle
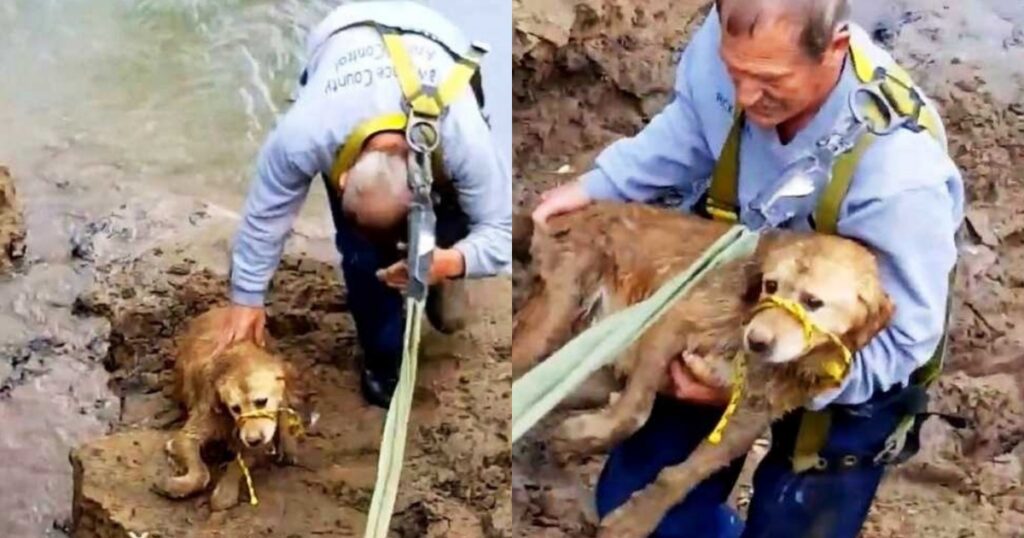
{"points": [[422, 133]]}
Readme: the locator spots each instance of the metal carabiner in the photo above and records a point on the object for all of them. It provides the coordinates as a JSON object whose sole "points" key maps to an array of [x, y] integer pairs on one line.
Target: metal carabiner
{"points": [[871, 96], [422, 133]]}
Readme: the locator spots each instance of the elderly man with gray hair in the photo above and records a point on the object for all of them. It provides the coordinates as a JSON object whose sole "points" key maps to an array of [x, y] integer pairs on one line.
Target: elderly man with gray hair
{"points": [[758, 86], [367, 62]]}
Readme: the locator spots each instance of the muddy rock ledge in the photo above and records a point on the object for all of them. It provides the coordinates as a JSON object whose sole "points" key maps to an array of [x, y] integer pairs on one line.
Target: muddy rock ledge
{"points": [[12, 226], [457, 468]]}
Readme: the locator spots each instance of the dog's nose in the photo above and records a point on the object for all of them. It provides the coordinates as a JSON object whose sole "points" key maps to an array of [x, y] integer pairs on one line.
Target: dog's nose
{"points": [[253, 441], [759, 343]]}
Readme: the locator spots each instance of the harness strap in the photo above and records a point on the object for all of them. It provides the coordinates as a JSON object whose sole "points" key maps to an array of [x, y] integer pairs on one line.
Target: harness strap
{"points": [[723, 199], [420, 100]]}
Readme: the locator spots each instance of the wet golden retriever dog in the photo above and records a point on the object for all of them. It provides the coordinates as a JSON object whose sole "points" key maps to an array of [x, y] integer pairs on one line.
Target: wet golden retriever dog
{"points": [[783, 316], [242, 399]]}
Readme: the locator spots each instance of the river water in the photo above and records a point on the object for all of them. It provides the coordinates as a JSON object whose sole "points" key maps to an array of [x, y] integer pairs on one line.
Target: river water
{"points": [[120, 105]]}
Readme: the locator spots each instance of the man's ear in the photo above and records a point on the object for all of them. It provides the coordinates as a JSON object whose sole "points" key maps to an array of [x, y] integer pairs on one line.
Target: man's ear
{"points": [[839, 46]]}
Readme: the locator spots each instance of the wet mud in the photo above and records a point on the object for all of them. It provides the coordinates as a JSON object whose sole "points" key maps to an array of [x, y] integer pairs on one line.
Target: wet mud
{"points": [[585, 77], [457, 476]]}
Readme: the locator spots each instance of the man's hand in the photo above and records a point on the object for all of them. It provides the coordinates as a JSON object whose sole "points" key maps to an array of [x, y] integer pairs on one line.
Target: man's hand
{"points": [[243, 323], [686, 386], [561, 199], [447, 263]]}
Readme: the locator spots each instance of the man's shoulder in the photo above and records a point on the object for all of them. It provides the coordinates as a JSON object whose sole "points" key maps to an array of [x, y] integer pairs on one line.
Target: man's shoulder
{"points": [[901, 162]]}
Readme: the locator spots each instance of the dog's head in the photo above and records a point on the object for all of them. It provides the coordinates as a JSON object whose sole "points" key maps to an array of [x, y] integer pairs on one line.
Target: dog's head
{"points": [[253, 389], [833, 281]]}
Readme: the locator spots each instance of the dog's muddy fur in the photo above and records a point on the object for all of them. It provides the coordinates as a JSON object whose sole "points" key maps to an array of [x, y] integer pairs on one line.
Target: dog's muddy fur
{"points": [[214, 390], [596, 261]]}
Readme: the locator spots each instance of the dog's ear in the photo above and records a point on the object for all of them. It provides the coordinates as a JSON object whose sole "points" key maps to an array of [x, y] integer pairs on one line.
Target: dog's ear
{"points": [[297, 394], [753, 283], [879, 311], [219, 370], [522, 236]]}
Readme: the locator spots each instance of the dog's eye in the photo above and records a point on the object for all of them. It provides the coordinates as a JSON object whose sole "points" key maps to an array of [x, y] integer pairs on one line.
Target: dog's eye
{"points": [[236, 409], [812, 303], [771, 286], [260, 403]]}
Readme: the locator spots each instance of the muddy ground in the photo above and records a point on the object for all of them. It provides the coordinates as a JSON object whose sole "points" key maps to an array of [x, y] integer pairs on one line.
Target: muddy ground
{"points": [[590, 71], [456, 480]]}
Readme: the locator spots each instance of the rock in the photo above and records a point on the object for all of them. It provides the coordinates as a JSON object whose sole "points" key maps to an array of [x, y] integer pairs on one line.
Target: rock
{"points": [[12, 225], [180, 269], [152, 410], [112, 498], [981, 224]]}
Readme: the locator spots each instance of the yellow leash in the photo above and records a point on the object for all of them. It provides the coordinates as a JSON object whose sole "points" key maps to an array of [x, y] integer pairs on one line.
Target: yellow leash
{"points": [[739, 378], [834, 370]]}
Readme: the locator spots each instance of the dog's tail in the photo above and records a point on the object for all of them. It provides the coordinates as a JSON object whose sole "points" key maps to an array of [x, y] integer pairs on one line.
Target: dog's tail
{"points": [[522, 236]]}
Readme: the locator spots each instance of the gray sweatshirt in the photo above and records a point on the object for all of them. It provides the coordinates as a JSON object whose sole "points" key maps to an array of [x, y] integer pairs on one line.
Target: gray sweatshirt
{"points": [[350, 80]]}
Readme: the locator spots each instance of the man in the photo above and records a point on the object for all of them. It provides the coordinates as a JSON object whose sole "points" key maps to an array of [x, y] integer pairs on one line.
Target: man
{"points": [[352, 107], [787, 66]]}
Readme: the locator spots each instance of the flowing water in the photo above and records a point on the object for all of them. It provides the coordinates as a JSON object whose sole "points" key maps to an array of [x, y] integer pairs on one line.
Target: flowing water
{"points": [[109, 109]]}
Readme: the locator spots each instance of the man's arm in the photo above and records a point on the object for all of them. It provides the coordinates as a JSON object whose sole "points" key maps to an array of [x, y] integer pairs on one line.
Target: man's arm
{"points": [[912, 233], [278, 190], [484, 185], [670, 152]]}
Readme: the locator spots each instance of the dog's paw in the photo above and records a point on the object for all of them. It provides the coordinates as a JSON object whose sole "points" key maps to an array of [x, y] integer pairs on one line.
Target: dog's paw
{"points": [[626, 522], [581, 435], [225, 495], [179, 487], [286, 458]]}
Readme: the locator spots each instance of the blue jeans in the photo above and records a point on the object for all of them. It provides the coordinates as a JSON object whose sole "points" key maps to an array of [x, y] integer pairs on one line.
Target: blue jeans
{"points": [[828, 504], [378, 310]]}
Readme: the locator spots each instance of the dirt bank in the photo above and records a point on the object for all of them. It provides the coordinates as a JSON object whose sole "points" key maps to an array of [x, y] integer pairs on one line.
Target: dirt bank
{"points": [[12, 225], [457, 476], [585, 76]]}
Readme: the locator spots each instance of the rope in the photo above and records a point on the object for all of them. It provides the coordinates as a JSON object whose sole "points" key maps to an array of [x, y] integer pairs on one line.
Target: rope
{"points": [[738, 381], [294, 425], [799, 313], [253, 500]]}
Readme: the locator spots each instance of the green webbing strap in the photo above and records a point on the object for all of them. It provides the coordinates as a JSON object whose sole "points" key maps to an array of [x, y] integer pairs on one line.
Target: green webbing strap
{"points": [[722, 201], [392, 445], [826, 215], [535, 394], [810, 439]]}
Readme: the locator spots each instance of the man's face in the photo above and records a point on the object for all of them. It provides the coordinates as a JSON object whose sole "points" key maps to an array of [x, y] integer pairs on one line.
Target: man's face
{"points": [[775, 79]]}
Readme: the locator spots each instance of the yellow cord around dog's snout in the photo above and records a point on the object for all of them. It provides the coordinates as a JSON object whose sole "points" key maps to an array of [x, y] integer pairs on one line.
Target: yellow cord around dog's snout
{"points": [[739, 378], [799, 313], [294, 422], [294, 425]]}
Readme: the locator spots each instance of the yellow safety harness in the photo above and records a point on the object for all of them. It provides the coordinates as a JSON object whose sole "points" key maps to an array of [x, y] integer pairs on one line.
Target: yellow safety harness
{"points": [[721, 203], [421, 101], [294, 425], [835, 370]]}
